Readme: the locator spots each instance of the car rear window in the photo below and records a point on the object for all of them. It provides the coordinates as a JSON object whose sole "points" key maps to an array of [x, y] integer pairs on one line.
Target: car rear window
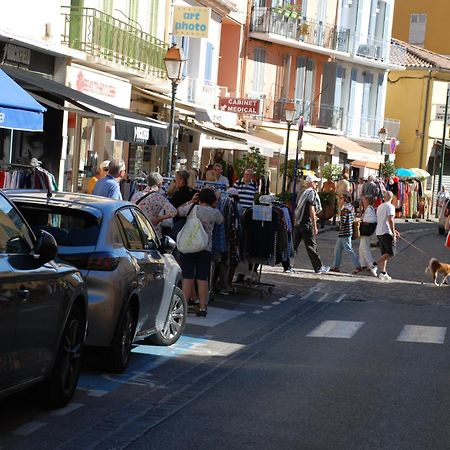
{"points": [[71, 228]]}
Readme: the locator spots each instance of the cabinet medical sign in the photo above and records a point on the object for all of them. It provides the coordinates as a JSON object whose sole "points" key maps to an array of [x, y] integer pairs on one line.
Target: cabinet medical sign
{"points": [[239, 105], [191, 21]]}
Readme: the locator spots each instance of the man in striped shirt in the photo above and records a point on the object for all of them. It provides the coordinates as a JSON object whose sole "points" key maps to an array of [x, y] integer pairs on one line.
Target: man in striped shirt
{"points": [[247, 189]]}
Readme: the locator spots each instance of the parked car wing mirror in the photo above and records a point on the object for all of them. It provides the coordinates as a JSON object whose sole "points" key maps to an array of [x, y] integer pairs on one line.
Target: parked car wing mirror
{"points": [[45, 248], [168, 245]]}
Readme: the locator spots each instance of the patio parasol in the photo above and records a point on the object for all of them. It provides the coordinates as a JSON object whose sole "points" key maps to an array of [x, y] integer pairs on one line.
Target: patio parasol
{"points": [[420, 173], [404, 173]]}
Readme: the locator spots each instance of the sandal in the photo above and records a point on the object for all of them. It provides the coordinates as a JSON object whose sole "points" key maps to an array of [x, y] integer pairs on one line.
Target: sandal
{"points": [[357, 270], [201, 312], [334, 269]]}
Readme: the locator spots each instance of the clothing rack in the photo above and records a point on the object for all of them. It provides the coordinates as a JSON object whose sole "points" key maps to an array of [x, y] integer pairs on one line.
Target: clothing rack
{"points": [[23, 167]]}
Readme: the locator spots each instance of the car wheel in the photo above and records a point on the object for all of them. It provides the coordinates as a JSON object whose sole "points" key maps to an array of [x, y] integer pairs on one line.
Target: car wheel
{"points": [[441, 230], [175, 323], [118, 354], [58, 389]]}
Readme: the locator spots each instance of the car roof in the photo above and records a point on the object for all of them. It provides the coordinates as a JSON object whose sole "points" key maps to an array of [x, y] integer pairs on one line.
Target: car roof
{"points": [[93, 204]]}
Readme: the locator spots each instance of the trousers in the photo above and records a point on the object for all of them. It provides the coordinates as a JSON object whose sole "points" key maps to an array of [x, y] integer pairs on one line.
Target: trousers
{"points": [[305, 233], [344, 243], [365, 253]]}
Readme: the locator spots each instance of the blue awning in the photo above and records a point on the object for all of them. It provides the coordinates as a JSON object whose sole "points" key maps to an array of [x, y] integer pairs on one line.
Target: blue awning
{"points": [[18, 109]]}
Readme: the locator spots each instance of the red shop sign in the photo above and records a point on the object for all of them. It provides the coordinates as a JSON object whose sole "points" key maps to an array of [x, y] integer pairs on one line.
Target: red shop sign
{"points": [[239, 105]]}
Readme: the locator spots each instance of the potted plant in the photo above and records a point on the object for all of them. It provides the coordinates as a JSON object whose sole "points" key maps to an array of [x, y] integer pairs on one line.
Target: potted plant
{"points": [[331, 171], [388, 169], [328, 201], [251, 160]]}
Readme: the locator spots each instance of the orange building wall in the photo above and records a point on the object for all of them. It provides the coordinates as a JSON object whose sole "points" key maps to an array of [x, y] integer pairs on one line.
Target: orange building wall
{"points": [[437, 32], [229, 63], [274, 71]]}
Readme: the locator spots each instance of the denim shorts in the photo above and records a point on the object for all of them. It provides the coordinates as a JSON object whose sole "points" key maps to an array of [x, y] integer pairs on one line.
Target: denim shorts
{"points": [[196, 266]]}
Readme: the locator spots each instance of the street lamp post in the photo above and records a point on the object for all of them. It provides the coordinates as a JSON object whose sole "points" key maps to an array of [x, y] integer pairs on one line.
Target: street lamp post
{"points": [[174, 62], [289, 113], [382, 135]]}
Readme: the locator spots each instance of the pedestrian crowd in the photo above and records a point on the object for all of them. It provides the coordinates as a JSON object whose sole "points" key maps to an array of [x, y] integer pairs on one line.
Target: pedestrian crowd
{"points": [[379, 221]]}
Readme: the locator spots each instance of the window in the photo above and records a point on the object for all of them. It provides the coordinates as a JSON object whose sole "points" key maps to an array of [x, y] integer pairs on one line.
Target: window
{"points": [[209, 61], [417, 28], [70, 228], [132, 238], [259, 57], [14, 234], [147, 230]]}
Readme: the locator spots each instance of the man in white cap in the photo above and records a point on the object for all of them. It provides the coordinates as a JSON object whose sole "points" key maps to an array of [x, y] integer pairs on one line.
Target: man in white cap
{"points": [[305, 223]]}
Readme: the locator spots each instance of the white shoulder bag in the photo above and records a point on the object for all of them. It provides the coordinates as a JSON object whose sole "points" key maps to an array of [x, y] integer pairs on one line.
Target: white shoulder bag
{"points": [[192, 238]]}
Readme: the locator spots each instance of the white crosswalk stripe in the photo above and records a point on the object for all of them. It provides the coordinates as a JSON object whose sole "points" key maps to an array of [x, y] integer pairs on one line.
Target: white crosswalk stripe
{"points": [[336, 329], [423, 334]]}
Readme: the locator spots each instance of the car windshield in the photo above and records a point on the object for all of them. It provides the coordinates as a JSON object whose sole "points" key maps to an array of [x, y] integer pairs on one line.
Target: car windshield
{"points": [[70, 227]]}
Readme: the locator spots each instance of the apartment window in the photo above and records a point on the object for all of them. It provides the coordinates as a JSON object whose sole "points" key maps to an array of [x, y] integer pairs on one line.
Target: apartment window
{"points": [[209, 61], [133, 10], [304, 84], [417, 28], [108, 7], [153, 17], [259, 56]]}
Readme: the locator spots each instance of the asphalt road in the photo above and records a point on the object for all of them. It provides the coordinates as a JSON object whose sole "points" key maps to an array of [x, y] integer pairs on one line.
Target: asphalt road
{"points": [[325, 361]]}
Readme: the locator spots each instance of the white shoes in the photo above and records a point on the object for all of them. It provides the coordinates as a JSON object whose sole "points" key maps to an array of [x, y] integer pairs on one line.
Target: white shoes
{"points": [[373, 270], [384, 276]]}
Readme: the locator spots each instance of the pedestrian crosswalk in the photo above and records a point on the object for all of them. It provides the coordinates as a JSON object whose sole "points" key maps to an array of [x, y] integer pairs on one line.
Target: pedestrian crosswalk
{"points": [[343, 329]]}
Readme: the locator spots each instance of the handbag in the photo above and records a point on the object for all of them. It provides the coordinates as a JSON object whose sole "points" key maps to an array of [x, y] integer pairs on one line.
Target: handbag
{"points": [[367, 229], [192, 238], [355, 229], [178, 224], [447, 241]]}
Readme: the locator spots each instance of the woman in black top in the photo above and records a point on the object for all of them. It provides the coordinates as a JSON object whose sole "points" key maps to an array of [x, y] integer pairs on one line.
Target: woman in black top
{"points": [[183, 193]]}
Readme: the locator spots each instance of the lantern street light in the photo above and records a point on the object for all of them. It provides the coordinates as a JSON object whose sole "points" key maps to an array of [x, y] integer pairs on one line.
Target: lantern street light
{"points": [[289, 113], [174, 62], [382, 135]]}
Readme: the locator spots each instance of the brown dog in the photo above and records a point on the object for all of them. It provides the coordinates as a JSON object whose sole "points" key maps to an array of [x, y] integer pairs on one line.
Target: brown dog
{"points": [[435, 267]]}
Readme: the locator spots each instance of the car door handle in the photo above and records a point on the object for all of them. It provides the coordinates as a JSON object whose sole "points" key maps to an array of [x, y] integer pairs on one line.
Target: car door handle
{"points": [[23, 294]]}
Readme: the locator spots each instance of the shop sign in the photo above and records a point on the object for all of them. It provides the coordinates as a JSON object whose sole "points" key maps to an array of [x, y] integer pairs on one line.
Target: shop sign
{"points": [[440, 113], [191, 21], [108, 89], [131, 132], [15, 54], [239, 105]]}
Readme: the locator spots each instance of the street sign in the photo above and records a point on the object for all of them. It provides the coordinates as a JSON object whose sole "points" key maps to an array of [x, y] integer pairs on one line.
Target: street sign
{"points": [[239, 105]]}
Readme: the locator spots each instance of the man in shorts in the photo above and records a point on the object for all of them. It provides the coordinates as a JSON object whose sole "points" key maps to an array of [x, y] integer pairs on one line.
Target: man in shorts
{"points": [[386, 234]]}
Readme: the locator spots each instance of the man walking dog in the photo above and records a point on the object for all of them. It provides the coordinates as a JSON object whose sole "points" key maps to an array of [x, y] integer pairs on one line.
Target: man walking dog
{"points": [[386, 234]]}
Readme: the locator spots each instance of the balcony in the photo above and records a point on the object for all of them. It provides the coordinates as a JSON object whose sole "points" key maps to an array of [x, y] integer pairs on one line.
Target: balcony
{"points": [[368, 126], [202, 92], [315, 114], [103, 36], [288, 23]]}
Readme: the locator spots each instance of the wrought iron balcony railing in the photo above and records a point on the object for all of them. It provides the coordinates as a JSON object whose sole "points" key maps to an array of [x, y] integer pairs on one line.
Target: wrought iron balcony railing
{"points": [[315, 114], [101, 35], [290, 24]]}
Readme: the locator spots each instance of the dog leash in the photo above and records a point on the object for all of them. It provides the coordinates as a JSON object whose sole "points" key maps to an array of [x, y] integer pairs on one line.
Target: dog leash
{"points": [[412, 245]]}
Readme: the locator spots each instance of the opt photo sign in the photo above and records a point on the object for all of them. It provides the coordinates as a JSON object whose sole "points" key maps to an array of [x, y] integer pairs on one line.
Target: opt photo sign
{"points": [[191, 21]]}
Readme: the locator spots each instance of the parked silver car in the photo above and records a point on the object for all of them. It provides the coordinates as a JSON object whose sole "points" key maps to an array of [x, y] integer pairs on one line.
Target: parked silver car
{"points": [[43, 307], [131, 277]]}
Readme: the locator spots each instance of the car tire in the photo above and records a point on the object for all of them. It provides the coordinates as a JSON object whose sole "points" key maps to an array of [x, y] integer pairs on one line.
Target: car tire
{"points": [[441, 230], [118, 354], [59, 388], [175, 322]]}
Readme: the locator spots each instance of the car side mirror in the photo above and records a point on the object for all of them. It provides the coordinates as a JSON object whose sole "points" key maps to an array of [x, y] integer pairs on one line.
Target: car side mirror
{"points": [[45, 248], [168, 245]]}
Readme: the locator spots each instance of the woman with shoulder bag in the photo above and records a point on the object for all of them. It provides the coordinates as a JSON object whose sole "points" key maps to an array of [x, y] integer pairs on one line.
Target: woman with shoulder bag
{"points": [[197, 265], [366, 229]]}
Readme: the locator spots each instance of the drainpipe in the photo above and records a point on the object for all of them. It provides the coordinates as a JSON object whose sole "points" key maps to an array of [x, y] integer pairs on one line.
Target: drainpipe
{"points": [[425, 115]]}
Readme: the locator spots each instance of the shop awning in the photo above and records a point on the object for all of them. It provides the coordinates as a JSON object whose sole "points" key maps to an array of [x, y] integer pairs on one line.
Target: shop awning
{"points": [[353, 150], [128, 124], [198, 112], [365, 164], [278, 136], [240, 141], [18, 109]]}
